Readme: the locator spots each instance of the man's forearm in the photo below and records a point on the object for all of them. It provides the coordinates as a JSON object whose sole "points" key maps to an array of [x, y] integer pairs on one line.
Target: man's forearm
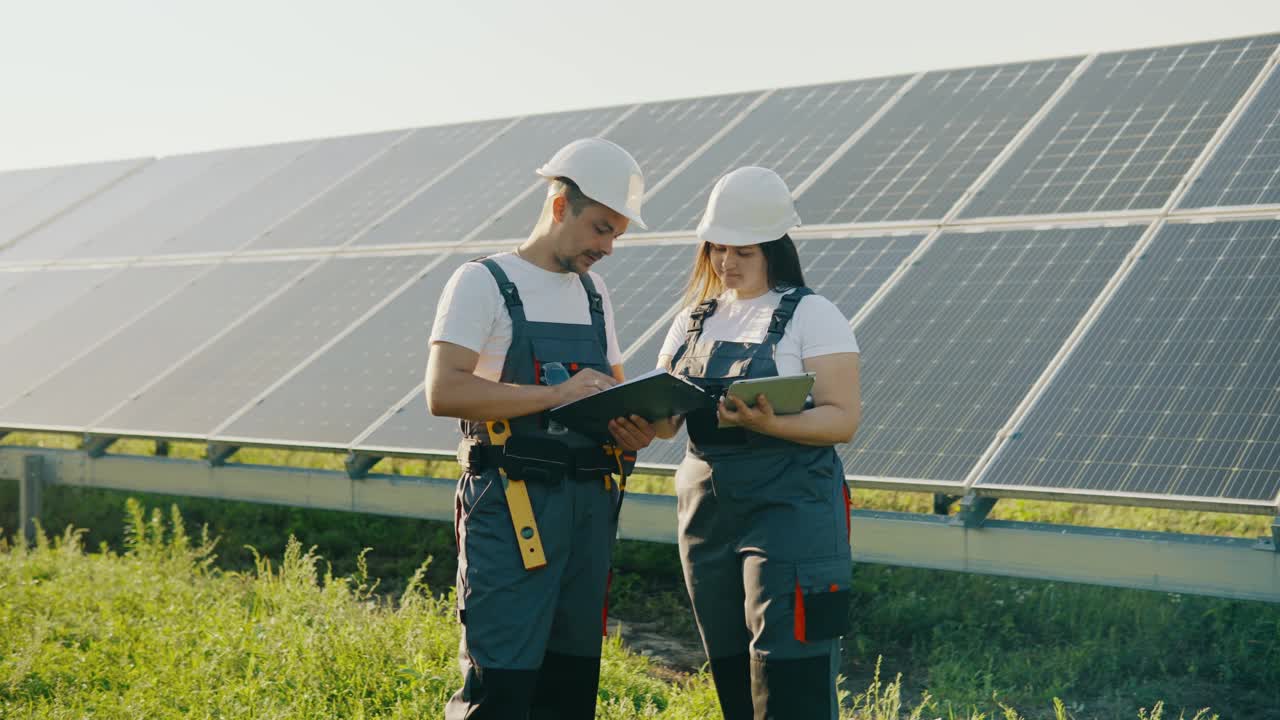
{"points": [[470, 397]]}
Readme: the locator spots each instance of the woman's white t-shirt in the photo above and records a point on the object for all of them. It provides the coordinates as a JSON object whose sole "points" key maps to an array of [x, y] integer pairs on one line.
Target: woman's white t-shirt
{"points": [[817, 328]]}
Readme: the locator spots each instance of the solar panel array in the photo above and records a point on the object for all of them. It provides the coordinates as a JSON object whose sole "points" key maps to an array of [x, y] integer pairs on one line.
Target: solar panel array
{"points": [[1116, 346]]}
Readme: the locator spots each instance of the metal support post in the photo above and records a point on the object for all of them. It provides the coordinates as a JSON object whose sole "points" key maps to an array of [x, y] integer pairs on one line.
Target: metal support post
{"points": [[220, 453], [95, 446], [359, 464], [942, 503], [973, 510], [29, 494]]}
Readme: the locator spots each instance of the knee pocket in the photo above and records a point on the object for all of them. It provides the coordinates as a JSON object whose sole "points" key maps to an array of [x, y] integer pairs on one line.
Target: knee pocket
{"points": [[815, 596]]}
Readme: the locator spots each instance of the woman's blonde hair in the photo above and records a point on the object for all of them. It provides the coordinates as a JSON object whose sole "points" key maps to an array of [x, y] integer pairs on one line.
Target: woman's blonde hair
{"points": [[781, 265]]}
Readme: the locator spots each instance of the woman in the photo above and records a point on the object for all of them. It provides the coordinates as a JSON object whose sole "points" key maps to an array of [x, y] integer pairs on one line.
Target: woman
{"points": [[763, 507]]}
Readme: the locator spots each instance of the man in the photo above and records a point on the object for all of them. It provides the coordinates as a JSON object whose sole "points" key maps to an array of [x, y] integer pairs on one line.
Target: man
{"points": [[536, 511]]}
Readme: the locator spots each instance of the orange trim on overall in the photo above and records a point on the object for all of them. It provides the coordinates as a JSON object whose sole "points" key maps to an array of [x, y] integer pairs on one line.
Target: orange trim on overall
{"points": [[848, 514], [798, 614], [604, 614]]}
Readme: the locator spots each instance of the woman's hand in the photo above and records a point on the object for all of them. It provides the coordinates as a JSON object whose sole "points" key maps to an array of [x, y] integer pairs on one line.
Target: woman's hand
{"points": [[758, 419]]}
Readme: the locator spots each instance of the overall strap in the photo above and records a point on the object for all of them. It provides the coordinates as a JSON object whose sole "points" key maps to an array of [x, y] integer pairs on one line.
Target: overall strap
{"points": [[699, 314], [596, 304], [783, 314], [510, 295]]}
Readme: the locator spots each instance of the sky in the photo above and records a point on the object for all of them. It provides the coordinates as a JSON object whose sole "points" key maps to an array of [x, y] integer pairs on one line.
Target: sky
{"points": [[92, 80]]}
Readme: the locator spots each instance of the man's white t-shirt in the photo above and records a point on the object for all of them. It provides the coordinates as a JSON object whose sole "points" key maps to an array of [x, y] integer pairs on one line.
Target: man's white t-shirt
{"points": [[817, 328], [471, 312]]}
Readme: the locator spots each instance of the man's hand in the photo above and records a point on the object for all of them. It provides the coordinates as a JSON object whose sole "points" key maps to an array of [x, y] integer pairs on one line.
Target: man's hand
{"points": [[631, 434], [584, 383]]}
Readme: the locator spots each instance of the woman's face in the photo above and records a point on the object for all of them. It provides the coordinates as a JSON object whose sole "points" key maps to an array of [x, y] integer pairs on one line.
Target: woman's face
{"points": [[740, 268]]}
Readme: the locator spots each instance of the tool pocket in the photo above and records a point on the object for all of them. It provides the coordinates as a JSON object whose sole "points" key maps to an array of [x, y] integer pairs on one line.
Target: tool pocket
{"points": [[821, 599], [537, 460]]}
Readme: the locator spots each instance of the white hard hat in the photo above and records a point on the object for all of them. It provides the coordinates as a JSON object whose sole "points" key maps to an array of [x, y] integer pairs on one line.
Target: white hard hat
{"points": [[604, 172], [749, 206]]}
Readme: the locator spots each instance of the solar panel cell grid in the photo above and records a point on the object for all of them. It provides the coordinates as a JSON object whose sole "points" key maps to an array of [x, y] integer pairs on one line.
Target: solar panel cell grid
{"points": [[659, 135], [1126, 133], [1245, 169], [792, 132], [113, 207], [495, 176], [921, 156], [274, 199], [208, 388], [80, 323], [954, 346], [1175, 390], [69, 188], [333, 399], [234, 173], [388, 179], [147, 345]]}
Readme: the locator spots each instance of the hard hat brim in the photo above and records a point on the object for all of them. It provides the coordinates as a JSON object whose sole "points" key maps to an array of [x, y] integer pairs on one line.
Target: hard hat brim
{"points": [[633, 217], [720, 235]]}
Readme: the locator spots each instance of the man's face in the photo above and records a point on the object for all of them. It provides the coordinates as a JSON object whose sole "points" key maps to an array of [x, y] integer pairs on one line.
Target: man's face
{"points": [[585, 238]]}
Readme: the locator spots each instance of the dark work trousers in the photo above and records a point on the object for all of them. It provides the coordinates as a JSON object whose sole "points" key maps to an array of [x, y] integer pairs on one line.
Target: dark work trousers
{"points": [[531, 639], [764, 541]]}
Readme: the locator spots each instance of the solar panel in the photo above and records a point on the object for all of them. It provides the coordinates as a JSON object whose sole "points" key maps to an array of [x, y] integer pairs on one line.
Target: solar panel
{"points": [[930, 147], [109, 208], [1245, 169], [37, 295], [644, 281], [149, 343], [846, 271], [1125, 134], [208, 388], [92, 315], [233, 173], [411, 429], [493, 177], [66, 190], [957, 343], [290, 189], [348, 387], [792, 132], [660, 136], [16, 184], [389, 179], [1175, 389]]}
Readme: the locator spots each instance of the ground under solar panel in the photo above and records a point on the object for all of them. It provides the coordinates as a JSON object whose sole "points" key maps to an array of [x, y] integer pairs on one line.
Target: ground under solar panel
{"points": [[1175, 389]]}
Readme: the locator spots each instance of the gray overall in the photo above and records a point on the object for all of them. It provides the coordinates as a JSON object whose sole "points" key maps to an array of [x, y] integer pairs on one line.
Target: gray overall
{"points": [[531, 638], [764, 541]]}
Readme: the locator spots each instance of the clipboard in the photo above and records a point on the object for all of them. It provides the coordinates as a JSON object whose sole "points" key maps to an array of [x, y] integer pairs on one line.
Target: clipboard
{"points": [[786, 393], [653, 396]]}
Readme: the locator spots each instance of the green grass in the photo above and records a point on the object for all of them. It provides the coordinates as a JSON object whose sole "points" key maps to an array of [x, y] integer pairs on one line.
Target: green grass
{"points": [[159, 631], [974, 643]]}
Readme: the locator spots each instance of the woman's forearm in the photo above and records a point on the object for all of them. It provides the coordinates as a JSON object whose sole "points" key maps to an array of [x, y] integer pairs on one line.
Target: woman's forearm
{"points": [[822, 425]]}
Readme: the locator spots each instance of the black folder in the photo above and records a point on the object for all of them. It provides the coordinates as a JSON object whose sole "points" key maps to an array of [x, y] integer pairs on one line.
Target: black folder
{"points": [[653, 396]]}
